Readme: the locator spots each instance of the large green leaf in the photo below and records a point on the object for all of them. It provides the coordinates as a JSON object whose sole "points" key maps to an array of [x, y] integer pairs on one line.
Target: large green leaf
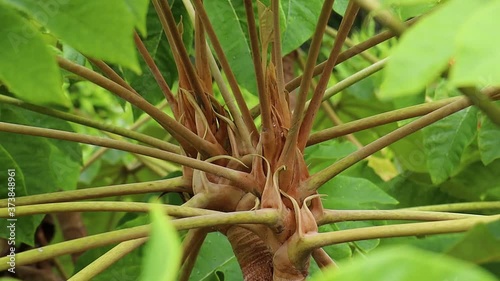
{"points": [[415, 189], [425, 49], [209, 265], [340, 6], [163, 250], [488, 140], [410, 8], [24, 226], [486, 235], [445, 142], [477, 57], [27, 66], [300, 22], [405, 264], [233, 40], [475, 182], [353, 193], [101, 29], [57, 164], [140, 10]]}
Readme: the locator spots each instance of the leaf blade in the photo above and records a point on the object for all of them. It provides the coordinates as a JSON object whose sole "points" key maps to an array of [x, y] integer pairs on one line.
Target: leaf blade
{"points": [[27, 67], [445, 142]]}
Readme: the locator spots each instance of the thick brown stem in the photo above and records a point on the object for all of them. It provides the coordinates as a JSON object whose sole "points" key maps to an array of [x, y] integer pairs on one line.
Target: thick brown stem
{"points": [[255, 260]]}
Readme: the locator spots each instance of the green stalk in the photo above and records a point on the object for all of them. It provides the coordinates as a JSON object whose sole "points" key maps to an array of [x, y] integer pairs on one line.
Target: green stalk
{"points": [[483, 102], [241, 178], [92, 123], [233, 83], [111, 74], [291, 139], [333, 216], [224, 90], [155, 71], [349, 44], [185, 60], [176, 129], [108, 259], [387, 231], [318, 179], [353, 79], [351, 52], [178, 184], [137, 124], [103, 206], [459, 207], [378, 120], [268, 217], [264, 99], [319, 91], [276, 49]]}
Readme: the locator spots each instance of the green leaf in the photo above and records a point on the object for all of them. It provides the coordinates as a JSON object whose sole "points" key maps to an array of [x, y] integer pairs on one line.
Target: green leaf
{"points": [[416, 189], [340, 6], [27, 67], [353, 193], [475, 182], [300, 22], [336, 251], [323, 154], [477, 57], [406, 9], [100, 29], [224, 262], [486, 235], [25, 226], [57, 164], [140, 11], [425, 49], [488, 140], [163, 250], [232, 37], [446, 140], [405, 264]]}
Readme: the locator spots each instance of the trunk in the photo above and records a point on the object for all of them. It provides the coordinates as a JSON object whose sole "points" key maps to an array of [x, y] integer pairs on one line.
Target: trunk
{"points": [[255, 260]]}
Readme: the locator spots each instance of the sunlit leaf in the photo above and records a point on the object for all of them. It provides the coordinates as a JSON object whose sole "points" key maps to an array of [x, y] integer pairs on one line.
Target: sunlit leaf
{"points": [[477, 57], [486, 235], [353, 193], [425, 50], [163, 250], [27, 66], [101, 29], [405, 264]]}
